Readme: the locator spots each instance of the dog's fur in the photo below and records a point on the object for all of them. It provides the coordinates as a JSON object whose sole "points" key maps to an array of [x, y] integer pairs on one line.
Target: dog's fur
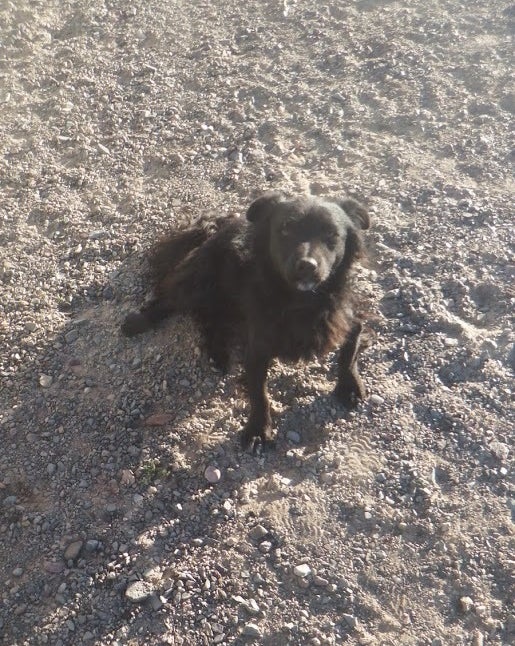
{"points": [[278, 282]]}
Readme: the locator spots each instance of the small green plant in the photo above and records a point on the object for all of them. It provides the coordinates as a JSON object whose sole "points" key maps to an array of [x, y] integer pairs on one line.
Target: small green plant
{"points": [[152, 470]]}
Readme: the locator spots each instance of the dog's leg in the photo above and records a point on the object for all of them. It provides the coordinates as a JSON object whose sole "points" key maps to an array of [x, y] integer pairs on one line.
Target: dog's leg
{"points": [[259, 425], [349, 387], [149, 316], [212, 321]]}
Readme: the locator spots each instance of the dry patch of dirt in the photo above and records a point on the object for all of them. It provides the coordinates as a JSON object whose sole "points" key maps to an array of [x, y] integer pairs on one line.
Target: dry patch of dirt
{"points": [[389, 525]]}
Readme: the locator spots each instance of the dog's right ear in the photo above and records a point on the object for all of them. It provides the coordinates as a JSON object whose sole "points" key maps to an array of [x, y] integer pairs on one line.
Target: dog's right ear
{"points": [[263, 206], [356, 212]]}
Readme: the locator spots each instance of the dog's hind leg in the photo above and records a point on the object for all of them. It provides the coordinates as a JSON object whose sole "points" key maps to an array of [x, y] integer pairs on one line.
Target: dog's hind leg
{"points": [[179, 292], [216, 335], [148, 317], [349, 387]]}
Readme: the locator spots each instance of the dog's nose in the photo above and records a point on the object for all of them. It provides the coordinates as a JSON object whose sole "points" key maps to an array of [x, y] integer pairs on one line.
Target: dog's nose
{"points": [[306, 267]]}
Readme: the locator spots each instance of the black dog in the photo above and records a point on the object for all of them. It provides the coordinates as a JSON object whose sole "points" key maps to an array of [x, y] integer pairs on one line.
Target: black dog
{"points": [[277, 281]]}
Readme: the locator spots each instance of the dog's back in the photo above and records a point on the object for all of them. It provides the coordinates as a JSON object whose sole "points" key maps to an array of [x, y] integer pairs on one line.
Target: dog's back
{"points": [[171, 250]]}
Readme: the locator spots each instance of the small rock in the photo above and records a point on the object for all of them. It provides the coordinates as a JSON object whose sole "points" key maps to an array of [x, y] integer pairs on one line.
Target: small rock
{"points": [[302, 570], [265, 547], [139, 591], [351, 620], [499, 449], [155, 602], [18, 571], [477, 639], [10, 500], [376, 400], [92, 545], [258, 532], [327, 478], [73, 550], [127, 477], [250, 605], [466, 604], [53, 567], [212, 474], [320, 581], [251, 630], [450, 342], [45, 381], [50, 469], [71, 336], [293, 436]]}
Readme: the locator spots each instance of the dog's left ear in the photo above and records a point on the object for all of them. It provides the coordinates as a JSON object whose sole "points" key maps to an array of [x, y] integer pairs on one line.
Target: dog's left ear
{"points": [[356, 212], [263, 206]]}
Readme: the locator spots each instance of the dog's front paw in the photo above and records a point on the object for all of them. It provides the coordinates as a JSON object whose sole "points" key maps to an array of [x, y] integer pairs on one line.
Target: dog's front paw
{"points": [[255, 437], [350, 391]]}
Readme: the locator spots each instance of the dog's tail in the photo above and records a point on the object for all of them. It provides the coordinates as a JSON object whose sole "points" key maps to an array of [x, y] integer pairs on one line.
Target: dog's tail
{"points": [[173, 248]]}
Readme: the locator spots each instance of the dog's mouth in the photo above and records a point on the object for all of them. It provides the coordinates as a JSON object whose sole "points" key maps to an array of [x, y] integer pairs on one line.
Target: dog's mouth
{"points": [[306, 285]]}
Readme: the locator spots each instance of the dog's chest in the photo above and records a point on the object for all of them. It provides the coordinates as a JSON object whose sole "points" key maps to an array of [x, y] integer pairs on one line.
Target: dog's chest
{"points": [[302, 332]]}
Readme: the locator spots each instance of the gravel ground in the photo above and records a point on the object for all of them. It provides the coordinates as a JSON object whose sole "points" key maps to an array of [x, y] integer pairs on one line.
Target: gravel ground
{"points": [[128, 513]]}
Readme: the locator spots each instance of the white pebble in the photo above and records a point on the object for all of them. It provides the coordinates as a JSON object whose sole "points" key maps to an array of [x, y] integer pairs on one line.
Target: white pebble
{"points": [[45, 381], [302, 570], [212, 474]]}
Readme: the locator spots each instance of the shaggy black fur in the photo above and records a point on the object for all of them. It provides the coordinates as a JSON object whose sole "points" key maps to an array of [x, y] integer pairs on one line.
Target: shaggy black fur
{"points": [[278, 282]]}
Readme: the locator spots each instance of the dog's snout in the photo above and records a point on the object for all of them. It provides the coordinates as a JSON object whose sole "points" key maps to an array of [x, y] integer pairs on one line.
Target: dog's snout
{"points": [[306, 267]]}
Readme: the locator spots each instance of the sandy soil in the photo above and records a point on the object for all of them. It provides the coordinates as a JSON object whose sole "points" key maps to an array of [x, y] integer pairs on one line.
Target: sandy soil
{"points": [[389, 525]]}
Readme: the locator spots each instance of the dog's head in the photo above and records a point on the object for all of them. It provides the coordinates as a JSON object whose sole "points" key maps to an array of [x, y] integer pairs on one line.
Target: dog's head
{"points": [[309, 239]]}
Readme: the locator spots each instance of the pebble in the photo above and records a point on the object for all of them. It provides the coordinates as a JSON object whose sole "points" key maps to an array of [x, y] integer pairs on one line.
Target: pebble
{"points": [[53, 567], [376, 400], [139, 591], [92, 545], [156, 602], [351, 620], [250, 605], [293, 436], [45, 381], [302, 570], [466, 604], [251, 630], [73, 550], [212, 474], [71, 336], [478, 639], [18, 571], [258, 532], [265, 547]]}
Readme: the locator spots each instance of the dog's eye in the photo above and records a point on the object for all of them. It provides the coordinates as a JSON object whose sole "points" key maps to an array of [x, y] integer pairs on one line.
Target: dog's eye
{"points": [[331, 241]]}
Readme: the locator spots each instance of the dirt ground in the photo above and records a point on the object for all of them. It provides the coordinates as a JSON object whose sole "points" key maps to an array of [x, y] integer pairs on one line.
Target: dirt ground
{"points": [[390, 525]]}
